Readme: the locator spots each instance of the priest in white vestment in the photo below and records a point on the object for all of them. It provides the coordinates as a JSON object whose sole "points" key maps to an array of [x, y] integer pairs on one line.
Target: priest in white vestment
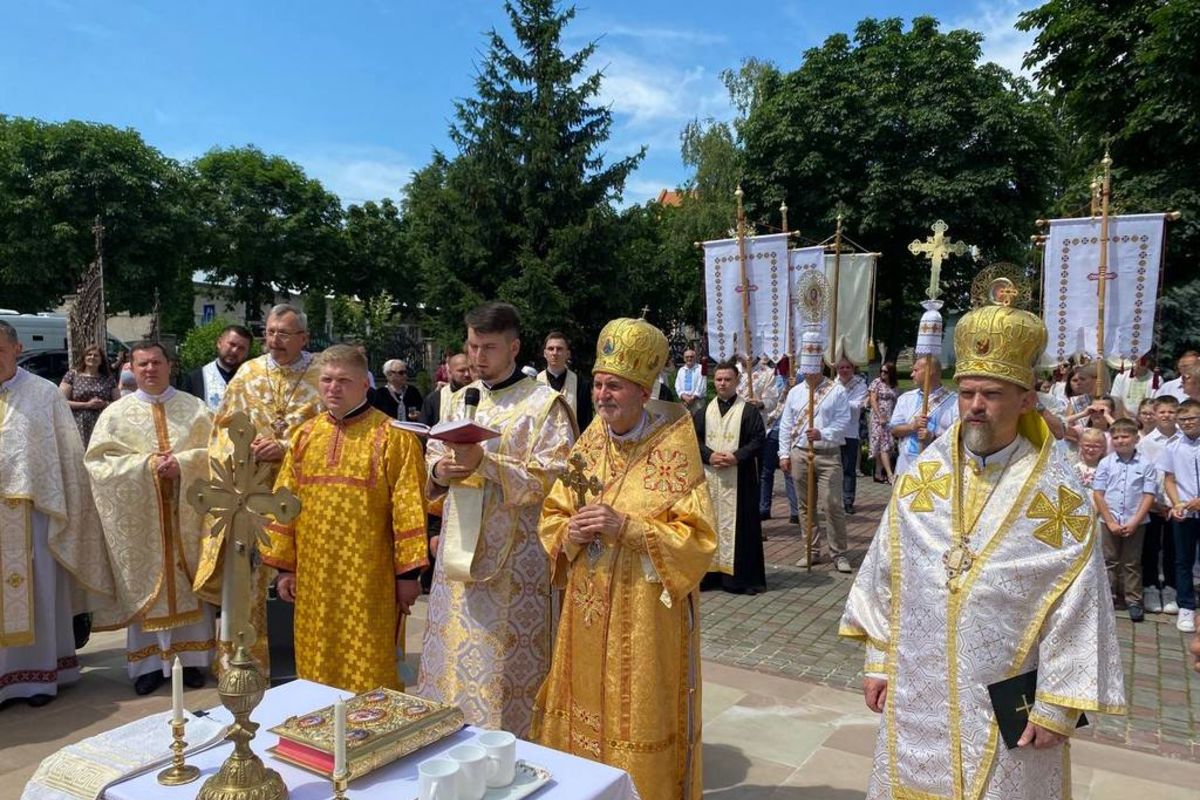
{"points": [[147, 448], [556, 349], [48, 526], [489, 632], [985, 567]]}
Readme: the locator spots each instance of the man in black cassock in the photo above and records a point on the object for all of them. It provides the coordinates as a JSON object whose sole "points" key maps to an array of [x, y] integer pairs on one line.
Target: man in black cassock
{"points": [[731, 434]]}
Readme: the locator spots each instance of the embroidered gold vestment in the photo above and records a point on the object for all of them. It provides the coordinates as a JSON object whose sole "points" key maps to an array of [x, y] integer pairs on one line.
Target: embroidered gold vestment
{"points": [[362, 523], [41, 471], [624, 684], [941, 623], [278, 400], [487, 640], [153, 536]]}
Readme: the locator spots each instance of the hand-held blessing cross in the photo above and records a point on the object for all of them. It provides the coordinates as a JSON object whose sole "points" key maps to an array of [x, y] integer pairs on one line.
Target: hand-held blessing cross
{"points": [[579, 482]]}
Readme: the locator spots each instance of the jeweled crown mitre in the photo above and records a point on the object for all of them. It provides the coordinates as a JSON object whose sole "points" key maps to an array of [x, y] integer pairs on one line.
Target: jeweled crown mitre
{"points": [[999, 342], [632, 349]]}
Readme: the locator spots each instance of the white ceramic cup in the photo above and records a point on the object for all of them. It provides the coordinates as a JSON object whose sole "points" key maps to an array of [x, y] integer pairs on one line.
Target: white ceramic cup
{"points": [[501, 747], [472, 770], [439, 778]]}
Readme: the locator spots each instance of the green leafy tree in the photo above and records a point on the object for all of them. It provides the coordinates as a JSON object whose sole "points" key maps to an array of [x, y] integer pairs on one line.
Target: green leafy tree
{"points": [[268, 224], [896, 129], [523, 212], [1123, 76], [55, 179], [375, 254]]}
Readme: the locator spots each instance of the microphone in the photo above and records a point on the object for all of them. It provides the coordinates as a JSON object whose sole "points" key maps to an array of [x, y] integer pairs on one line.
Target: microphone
{"points": [[471, 402]]}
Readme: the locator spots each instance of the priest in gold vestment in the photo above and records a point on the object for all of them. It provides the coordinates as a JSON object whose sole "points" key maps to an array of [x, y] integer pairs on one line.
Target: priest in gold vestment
{"points": [[488, 636], [351, 560], [145, 448], [630, 533], [278, 391], [51, 543], [985, 568]]}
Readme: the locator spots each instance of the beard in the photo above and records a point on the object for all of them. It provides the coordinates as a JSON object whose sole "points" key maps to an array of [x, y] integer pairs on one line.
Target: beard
{"points": [[979, 438]]}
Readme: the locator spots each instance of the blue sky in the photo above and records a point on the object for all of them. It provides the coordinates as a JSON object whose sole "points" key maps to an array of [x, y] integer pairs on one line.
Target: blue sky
{"points": [[359, 92]]}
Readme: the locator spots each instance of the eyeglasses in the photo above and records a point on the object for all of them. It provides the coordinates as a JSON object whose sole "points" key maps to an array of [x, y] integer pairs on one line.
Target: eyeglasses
{"points": [[1187, 420], [283, 336]]}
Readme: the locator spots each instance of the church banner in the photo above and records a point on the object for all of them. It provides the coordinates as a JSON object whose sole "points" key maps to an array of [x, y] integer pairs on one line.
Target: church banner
{"points": [[856, 272], [767, 279], [1069, 291]]}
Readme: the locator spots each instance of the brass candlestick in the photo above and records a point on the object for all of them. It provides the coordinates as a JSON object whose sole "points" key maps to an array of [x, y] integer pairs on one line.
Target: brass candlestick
{"points": [[179, 772], [339, 785]]}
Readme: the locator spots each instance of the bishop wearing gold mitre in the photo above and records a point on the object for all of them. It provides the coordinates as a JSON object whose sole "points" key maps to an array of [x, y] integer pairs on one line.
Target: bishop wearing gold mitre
{"points": [[630, 533], [278, 391], [351, 560], [985, 574]]}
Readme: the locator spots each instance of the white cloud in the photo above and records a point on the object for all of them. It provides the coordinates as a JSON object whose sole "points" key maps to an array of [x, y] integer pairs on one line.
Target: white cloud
{"points": [[648, 93], [659, 36], [1003, 44], [357, 174]]}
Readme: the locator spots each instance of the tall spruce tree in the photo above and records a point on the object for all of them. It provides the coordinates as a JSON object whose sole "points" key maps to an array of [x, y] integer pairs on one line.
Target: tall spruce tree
{"points": [[524, 212]]}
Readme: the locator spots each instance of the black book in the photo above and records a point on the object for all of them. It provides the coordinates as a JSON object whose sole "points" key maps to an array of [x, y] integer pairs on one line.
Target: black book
{"points": [[1012, 700]]}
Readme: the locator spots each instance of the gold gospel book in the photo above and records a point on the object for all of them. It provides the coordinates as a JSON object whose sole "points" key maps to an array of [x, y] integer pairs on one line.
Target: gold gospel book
{"points": [[381, 726]]}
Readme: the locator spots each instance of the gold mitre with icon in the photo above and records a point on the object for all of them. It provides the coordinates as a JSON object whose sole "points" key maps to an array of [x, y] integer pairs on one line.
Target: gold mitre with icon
{"points": [[999, 341], [632, 349]]}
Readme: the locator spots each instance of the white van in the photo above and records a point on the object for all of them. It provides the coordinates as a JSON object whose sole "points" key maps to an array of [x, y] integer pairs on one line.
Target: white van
{"points": [[40, 332]]}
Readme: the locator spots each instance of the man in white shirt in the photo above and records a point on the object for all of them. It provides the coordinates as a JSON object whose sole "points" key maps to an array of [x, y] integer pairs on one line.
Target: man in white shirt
{"points": [[856, 395], [691, 386], [831, 414], [1133, 385], [1174, 387], [913, 431]]}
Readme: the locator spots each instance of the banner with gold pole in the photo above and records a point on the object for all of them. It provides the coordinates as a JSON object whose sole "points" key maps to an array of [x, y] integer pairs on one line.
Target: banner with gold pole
{"points": [[812, 306]]}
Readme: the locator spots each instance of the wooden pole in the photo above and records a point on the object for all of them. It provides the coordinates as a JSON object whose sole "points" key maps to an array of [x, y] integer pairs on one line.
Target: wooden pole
{"points": [[837, 269], [1105, 196], [810, 511], [741, 237]]}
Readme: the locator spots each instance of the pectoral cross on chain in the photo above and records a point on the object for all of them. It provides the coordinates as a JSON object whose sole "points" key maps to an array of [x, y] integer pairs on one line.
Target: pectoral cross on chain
{"points": [[241, 495], [581, 484], [936, 248]]}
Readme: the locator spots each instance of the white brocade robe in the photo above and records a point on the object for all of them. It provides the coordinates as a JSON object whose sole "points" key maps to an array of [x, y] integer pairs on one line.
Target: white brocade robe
{"points": [[1036, 598], [488, 639], [153, 533]]}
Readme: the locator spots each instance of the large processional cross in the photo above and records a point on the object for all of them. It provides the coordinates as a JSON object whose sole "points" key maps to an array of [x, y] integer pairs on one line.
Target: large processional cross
{"points": [[935, 248], [240, 496]]}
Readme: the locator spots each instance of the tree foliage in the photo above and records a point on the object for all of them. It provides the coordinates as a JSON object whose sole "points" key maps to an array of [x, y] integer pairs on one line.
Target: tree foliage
{"points": [[896, 129], [374, 253], [268, 224], [523, 212], [55, 179], [1123, 76]]}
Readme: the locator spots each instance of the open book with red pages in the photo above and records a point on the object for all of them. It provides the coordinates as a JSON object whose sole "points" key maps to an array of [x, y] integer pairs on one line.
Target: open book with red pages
{"points": [[459, 431], [381, 726]]}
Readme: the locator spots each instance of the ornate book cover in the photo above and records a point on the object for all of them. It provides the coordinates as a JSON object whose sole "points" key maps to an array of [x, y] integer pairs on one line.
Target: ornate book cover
{"points": [[381, 726]]}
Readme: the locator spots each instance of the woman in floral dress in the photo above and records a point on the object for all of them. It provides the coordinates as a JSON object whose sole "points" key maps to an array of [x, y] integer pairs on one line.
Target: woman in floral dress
{"points": [[89, 388], [882, 396]]}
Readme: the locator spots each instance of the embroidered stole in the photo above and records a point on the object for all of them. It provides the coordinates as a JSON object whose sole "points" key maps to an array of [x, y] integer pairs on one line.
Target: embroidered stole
{"points": [[214, 386], [721, 434]]}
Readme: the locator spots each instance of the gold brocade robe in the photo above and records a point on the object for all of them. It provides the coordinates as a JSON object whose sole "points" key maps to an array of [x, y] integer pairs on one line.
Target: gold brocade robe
{"points": [[1035, 597], [278, 401], [624, 684], [487, 640], [362, 523], [41, 471], [153, 536]]}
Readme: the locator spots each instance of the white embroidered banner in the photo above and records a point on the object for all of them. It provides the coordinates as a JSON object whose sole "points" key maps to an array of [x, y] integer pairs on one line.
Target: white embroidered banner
{"points": [[767, 276], [856, 272], [1072, 274]]}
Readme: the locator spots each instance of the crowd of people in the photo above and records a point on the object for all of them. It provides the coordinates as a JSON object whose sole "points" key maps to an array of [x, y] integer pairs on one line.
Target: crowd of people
{"points": [[582, 533]]}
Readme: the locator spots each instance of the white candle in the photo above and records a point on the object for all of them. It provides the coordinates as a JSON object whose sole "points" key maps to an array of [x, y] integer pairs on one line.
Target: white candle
{"points": [[339, 738], [177, 691]]}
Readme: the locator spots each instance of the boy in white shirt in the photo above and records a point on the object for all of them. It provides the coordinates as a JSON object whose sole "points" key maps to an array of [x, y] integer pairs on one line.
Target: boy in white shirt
{"points": [[1123, 489]]}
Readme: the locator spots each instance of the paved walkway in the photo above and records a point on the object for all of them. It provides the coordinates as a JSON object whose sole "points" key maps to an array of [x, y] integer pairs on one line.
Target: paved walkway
{"points": [[791, 631]]}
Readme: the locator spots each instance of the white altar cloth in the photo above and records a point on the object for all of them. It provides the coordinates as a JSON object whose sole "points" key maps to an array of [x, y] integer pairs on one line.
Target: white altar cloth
{"points": [[573, 778]]}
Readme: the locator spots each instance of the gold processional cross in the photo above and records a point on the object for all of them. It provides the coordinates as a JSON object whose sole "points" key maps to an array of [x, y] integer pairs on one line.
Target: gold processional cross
{"points": [[936, 248], [240, 496], [581, 484]]}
